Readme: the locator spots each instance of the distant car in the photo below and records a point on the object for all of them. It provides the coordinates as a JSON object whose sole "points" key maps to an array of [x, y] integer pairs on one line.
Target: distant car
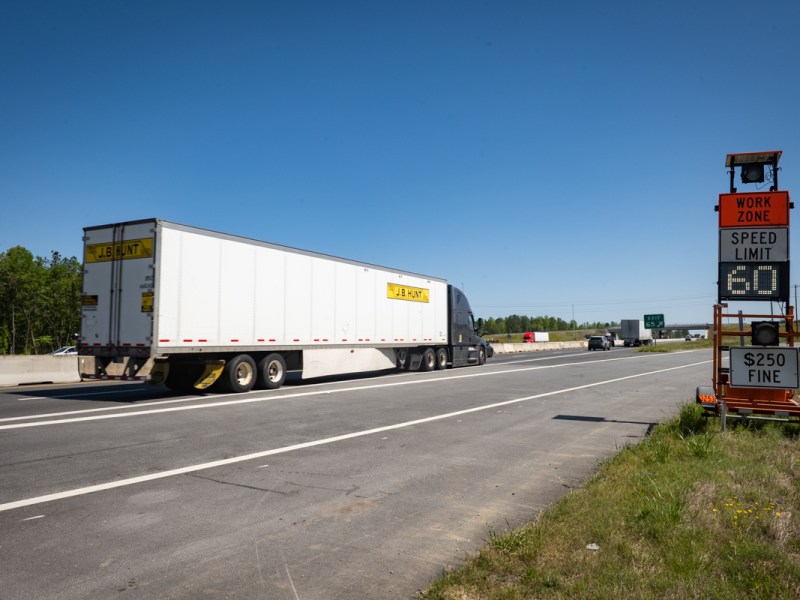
{"points": [[65, 350], [599, 342], [610, 339], [688, 338], [489, 350]]}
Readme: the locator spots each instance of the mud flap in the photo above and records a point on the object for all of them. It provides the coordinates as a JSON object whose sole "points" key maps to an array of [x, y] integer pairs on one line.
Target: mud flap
{"points": [[159, 372], [415, 361], [211, 373]]}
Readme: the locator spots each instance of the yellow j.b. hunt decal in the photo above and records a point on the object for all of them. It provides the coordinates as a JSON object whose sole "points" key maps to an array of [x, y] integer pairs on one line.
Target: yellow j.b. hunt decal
{"points": [[395, 291], [147, 301], [124, 250]]}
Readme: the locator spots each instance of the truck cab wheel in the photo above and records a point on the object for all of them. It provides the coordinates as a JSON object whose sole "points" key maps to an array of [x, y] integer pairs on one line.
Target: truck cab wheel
{"points": [[240, 374], [441, 359], [482, 356], [271, 372]]}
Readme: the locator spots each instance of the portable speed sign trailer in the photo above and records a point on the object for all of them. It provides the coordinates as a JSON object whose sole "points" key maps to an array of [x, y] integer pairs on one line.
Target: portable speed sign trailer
{"points": [[761, 376]]}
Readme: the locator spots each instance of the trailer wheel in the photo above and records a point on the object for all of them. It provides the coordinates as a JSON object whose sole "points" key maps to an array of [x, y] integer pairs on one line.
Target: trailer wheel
{"points": [[428, 360], [240, 374], [271, 372], [481, 355], [441, 359]]}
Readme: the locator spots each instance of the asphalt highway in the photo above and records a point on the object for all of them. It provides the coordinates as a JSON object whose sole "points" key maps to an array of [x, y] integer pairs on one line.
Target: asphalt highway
{"points": [[357, 487]]}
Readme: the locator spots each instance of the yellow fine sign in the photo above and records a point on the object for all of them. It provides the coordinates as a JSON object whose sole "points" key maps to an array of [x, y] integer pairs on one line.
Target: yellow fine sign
{"points": [[119, 251], [396, 291]]}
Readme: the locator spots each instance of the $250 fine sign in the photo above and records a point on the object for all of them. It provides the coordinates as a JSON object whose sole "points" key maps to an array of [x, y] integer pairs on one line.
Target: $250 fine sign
{"points": [[764, 367]]}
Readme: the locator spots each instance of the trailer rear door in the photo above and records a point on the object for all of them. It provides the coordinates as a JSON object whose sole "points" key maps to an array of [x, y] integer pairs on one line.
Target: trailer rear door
{"points": [[118, 286]]}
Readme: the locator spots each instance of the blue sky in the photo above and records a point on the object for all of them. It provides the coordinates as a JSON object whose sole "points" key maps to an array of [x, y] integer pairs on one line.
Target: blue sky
{"points": [[551, 158]]}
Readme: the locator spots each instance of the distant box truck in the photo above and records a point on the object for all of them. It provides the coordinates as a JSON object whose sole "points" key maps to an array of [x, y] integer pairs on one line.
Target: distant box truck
{"points": [[633, 333], [215, 309], [535, 336]]}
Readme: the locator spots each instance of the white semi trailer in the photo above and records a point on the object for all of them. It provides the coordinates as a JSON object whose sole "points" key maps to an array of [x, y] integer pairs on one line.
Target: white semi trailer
{"points": [[634, 333], [216, 309]]}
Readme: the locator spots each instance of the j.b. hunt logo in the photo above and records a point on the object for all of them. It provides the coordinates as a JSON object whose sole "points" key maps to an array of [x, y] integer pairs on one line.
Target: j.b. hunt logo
{"points": [[396, 291], [125, 250]]}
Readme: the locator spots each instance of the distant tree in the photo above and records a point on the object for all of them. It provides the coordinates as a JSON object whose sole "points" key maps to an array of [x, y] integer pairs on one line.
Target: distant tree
{"points": [[5, 339], [521, 323], [62, 300], [500, 325], [18, 274], [492, 326], [39, 301], [514, 324]]}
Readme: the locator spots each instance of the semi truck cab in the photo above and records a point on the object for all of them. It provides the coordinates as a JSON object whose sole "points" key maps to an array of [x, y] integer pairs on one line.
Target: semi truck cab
{"points": [[468, 348]]}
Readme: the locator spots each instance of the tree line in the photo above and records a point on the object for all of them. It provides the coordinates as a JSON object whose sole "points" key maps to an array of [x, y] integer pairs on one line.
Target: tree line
{"points": [[520, 324], [40, 301]]}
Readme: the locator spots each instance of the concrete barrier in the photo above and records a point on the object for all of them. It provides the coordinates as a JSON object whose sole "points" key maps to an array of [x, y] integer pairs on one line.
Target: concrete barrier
{"points": [[501, 348], [22, 370]]}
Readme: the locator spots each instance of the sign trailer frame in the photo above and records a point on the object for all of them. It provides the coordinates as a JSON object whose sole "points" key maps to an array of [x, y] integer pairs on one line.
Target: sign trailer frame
{"points": [[760, 381]]}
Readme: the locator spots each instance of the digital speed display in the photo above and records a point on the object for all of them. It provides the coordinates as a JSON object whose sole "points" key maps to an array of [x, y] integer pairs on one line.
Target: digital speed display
{"points": [[754, 281]]}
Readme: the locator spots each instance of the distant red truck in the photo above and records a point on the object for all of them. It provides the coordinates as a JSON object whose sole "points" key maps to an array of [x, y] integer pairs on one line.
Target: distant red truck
{"points": [[530, 337]]}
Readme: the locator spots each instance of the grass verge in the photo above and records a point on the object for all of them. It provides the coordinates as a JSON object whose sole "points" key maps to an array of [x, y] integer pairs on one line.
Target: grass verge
{"points": [[691, 512], [676, 346]]}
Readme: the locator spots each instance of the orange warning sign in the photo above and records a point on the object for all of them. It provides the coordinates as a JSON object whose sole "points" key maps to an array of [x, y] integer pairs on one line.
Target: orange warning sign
{"points": [[757, 209]]}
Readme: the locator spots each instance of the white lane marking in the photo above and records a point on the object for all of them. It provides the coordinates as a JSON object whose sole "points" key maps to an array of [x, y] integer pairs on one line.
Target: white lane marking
{"points": [[330, 440], [34, 518], [524, 360], [81, 395], [190, 399], [108, 408], [184, 400], [288, 574], [271, 397]]}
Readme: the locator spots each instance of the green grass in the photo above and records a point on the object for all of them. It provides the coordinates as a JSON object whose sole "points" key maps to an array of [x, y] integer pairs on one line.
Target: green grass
{"points": [[677, 346], [691, 512]]}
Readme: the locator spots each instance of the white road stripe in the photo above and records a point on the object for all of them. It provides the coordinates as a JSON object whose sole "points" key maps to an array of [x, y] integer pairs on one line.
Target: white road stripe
{"points": [[181, 400], [348, 436], [81, 395], [269, 397]]}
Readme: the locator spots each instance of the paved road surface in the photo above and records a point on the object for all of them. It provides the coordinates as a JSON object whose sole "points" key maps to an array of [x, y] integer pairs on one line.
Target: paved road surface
{"points": [[357, 488]]}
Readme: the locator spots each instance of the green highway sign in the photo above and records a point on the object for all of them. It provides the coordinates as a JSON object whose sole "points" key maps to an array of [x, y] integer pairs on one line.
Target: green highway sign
{"points": [[654, 321]]}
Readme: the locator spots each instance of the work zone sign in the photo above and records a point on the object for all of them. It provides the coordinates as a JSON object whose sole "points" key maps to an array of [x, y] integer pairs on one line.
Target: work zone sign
{"points": [[760, 209], [754, 246]]}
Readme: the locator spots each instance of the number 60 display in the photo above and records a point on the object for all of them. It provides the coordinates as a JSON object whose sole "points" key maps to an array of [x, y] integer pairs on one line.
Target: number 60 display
{"points": [[753, 281]]}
